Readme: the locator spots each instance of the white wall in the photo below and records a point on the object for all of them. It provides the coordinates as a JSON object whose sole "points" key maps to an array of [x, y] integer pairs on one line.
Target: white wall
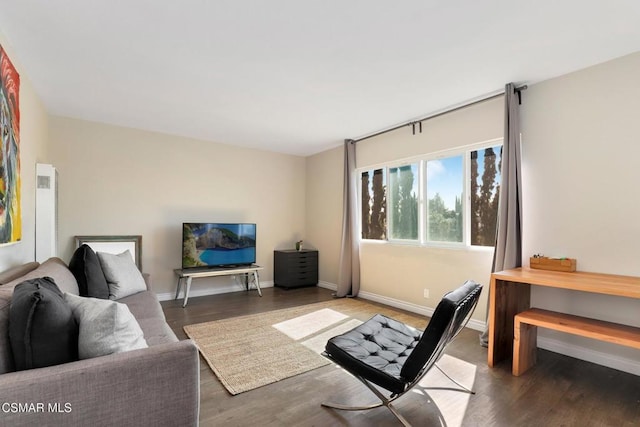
{"points": [[33, 148], [581, 191], [117, 181]]}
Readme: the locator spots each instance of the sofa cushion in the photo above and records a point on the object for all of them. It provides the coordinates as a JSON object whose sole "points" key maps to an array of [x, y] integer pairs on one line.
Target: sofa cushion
{"points": [[157, 331], [144, 305], [86, 268], [122, 275], [106, 327], [6, 358], [17, 271], [148, 312], [57, 270], [42, 329]]}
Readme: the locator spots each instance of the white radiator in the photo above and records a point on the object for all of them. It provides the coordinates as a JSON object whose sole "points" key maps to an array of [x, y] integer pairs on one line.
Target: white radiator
{"points": [[46, 211]]}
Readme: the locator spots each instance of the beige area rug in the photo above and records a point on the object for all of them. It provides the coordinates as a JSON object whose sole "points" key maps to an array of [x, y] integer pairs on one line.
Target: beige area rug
{"points": [[248, 352]]}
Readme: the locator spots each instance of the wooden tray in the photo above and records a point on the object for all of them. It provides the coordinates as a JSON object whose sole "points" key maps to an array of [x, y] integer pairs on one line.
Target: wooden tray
{"points": [[554, 264]]}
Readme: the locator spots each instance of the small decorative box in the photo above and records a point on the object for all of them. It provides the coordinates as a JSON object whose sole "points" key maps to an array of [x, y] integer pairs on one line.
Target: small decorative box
{"points": [[554, 264]]}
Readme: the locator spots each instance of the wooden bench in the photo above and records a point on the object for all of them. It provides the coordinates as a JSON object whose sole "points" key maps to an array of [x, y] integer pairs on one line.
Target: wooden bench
{"points": [[526, 326]]}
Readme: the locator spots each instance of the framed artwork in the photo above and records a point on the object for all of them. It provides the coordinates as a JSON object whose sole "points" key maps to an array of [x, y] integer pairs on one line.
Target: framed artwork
{"points": [[114, 245], [10, 215]]}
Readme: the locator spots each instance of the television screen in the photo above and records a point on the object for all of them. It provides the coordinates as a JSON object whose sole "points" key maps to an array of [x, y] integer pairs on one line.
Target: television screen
{"points": [[218, 245]]}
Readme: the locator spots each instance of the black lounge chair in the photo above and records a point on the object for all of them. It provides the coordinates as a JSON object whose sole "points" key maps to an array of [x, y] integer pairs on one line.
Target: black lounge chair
{"points": [[394, 356]]}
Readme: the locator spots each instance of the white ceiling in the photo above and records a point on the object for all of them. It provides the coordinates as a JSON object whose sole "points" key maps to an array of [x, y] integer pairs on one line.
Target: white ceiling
{"points": [[298, 76]]}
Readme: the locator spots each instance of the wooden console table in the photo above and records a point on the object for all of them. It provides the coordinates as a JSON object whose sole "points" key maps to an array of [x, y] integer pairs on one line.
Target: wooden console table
{"points": [[188, 274], [511, 294]]}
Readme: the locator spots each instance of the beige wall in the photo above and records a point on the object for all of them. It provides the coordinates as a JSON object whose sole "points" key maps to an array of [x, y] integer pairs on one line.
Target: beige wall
{"points": [[477, 123], [33, 148], [324, 210], [403, 272], [115, 181], [581, 154], [396, 271]]}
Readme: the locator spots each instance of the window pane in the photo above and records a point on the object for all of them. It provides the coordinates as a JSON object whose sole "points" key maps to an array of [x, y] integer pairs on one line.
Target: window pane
{"points": [[485, 192], [444, 199], [403, 202], [374, 204]]}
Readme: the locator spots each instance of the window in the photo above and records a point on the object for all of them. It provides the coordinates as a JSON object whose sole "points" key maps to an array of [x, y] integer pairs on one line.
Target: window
{"points": [[485, 192], [403, 202], [450, 199], [374, 204], [445, 184]]}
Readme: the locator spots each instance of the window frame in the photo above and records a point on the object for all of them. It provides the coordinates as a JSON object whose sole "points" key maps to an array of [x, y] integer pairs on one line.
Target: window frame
{"points": [[421, 160]]}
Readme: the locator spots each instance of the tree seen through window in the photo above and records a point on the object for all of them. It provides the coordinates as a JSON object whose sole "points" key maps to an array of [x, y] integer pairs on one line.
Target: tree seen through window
{"points": [[485, 193], [374, 204], [403, 197]]}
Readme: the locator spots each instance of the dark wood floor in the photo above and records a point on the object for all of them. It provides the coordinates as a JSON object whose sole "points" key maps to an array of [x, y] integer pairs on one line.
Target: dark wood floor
{"points": [[558, 391]]}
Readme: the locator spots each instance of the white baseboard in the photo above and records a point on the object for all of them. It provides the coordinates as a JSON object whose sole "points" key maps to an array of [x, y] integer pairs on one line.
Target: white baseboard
{"points": [[200, 292], [414, 308], [327, 285], [605, 359], [392, 302]]}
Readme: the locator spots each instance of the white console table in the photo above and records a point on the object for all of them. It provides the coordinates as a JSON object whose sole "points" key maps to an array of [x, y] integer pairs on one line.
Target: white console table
{"points": [[250, 274]]}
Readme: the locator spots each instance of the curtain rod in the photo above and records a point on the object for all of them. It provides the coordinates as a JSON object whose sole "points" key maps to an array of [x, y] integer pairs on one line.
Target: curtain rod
{"points": [[438, 114]]}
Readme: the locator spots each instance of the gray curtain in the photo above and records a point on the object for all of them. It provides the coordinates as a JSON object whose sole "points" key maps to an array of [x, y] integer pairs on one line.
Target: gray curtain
{"points": [[508, 248], [349, 274]]}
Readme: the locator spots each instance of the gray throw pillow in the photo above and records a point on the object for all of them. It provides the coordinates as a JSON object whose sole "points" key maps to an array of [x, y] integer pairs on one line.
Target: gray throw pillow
{"points": [[106, 327], [123, 277]]}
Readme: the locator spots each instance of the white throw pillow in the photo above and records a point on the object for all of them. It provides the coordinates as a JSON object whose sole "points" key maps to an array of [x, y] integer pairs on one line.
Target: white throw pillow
{"points": [[106, 327], [123, 277]]}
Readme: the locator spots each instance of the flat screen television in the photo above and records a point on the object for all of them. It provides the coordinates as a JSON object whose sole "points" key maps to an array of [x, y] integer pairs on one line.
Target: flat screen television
{"points": [[218, 245]]}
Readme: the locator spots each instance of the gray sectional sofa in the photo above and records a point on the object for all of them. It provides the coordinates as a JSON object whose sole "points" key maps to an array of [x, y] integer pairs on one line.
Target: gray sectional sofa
{"points": [[158, 385]]}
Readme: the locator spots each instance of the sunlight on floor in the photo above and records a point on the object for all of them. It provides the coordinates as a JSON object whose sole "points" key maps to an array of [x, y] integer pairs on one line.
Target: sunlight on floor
{"points": [[309, 324], [451, 404], [317, 327], [318, 342]]}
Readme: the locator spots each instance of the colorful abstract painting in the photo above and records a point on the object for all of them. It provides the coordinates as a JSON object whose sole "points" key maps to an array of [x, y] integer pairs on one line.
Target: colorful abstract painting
{"points": [[10, 215]]}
